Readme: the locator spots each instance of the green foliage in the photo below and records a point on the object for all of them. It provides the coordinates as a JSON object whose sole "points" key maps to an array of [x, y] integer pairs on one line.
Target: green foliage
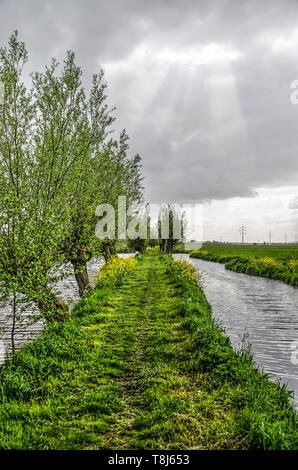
{"points": [[138, 244], [30, 224], [57, 164], [114, 270]]}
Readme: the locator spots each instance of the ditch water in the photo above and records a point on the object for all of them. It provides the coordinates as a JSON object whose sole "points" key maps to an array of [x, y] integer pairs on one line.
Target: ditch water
{"points": [[26, 330], [264, 310]]}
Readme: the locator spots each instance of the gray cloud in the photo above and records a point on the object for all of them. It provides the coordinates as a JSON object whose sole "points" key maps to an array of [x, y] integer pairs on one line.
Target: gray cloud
{"points": [[203, 87], [294, 203]]}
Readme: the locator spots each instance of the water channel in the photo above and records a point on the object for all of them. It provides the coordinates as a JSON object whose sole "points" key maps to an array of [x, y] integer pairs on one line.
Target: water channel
{"points": [[263, 310]]}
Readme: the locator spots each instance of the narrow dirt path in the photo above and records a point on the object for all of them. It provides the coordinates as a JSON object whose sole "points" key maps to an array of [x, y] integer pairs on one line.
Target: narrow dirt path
{"points": [[163, 401]]}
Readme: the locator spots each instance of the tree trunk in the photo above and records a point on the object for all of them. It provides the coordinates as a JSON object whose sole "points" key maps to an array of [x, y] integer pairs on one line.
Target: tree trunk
{"points": [[109, 250], [170, 247], [81, 275], [53, 308]]}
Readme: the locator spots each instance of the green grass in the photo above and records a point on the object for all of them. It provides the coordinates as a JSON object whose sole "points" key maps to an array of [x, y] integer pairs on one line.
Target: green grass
{"points": [[248, 259], [141, 365], [282, 253]]}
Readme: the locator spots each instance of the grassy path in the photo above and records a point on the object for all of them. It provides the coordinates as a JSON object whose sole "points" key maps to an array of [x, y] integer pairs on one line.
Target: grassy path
{"points": [[125, 373], [163, 404]]}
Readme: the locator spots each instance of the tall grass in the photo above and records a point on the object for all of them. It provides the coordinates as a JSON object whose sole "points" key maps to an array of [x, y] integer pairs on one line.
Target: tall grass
{"points": [[268, 419], [141, 365]]}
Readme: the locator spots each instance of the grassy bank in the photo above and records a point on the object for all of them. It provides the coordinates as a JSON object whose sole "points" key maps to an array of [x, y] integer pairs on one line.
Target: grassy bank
{"points": [[141, 365], [274, 262]]}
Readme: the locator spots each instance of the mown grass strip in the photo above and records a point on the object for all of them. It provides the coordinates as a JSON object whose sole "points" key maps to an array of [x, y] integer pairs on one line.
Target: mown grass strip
{"points": [[141, 365]]}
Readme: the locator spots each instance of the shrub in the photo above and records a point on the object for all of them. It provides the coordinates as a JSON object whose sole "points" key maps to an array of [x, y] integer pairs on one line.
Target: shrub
{"points": [[293, 266], [187, 270], [265, 262], [114, 270]]}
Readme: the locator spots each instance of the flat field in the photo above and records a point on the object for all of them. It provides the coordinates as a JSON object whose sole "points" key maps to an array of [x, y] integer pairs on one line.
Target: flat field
{"points": [[282, 253]]}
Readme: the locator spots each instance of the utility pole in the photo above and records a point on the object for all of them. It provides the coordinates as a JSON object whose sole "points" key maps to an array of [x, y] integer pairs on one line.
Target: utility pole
{"points": [[242, 232], [270, 234]]}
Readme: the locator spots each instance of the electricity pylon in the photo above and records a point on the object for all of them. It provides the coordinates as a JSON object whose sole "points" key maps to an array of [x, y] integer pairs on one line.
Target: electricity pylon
{"points": [[270, 234], [242, 232]]}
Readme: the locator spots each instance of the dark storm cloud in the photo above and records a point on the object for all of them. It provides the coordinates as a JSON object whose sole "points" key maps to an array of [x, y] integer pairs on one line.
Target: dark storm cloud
{"points": [[203, 87]]}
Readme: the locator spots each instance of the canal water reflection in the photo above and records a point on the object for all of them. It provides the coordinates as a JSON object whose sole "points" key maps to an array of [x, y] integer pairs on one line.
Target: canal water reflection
{"points": [[263, 309]]}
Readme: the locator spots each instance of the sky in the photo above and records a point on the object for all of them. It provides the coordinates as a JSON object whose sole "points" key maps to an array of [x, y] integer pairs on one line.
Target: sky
{"points": [[203, 89]]}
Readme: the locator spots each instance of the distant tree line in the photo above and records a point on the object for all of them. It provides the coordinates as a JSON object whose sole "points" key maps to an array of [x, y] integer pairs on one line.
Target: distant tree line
{"points": [[170, 226]]}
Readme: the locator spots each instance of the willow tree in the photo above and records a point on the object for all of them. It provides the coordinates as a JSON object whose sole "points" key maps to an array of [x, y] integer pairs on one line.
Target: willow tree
{"points": [[74, 130], [125, 179], [30, 230], [73, 146], [171, 227], [58, 162], [110, 173], [63, 148]]}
